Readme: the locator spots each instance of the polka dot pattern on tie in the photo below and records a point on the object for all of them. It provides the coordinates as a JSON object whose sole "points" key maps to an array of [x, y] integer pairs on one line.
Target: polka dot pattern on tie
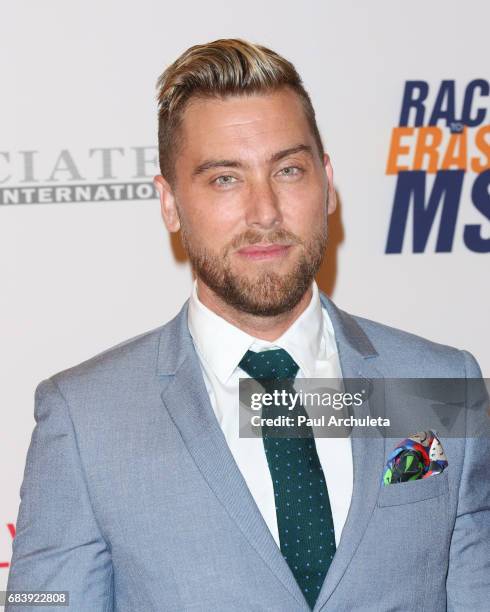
{"points": [[304, 516]]}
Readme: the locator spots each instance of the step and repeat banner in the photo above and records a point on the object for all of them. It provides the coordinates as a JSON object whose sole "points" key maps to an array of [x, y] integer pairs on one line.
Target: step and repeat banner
{"points": [[401, 92]]}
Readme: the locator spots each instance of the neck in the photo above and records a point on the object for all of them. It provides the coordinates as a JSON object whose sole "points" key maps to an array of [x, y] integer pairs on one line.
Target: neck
{"points": [[265, 328]]}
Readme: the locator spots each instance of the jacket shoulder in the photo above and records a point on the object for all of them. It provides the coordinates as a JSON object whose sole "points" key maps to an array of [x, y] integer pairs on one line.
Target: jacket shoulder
{"points": [[110, 369], [137, 354], [404, 353]]}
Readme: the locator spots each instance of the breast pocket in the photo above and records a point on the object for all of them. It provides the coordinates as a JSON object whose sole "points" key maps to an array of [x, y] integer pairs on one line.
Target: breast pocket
{"points": [[414, 490]]}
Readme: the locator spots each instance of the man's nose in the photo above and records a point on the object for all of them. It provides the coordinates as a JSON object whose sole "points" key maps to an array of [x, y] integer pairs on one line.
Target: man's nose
{"points": [[263, 206]]}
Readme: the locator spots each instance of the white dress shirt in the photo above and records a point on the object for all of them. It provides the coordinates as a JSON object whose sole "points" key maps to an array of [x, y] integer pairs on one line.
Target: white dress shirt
{"points": [[310, 341]]}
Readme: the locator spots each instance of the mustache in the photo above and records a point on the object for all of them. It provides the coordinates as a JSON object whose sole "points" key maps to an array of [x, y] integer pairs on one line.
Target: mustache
{"points": [[251, 237]]}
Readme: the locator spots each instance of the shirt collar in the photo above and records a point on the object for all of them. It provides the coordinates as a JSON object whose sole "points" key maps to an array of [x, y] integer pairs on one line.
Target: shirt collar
{"points": [[222, 345]]}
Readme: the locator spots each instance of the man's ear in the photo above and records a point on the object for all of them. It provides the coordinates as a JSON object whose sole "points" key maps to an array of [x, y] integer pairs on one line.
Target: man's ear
{"points": [[168, 206], [332, 195]]}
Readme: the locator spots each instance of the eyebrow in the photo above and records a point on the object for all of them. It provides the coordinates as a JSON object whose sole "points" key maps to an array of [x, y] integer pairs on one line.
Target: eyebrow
{"points": [[231, 163]]}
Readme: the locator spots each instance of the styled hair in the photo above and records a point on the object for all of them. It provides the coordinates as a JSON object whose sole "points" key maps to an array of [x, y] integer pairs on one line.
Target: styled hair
{"points": [[224, 67]]}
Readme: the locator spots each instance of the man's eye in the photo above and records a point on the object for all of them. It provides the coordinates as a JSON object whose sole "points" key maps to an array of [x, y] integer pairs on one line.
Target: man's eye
{"points": [[291, 171], [224, 180]]}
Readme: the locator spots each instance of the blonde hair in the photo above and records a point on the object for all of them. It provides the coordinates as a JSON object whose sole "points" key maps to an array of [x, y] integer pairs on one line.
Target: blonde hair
{"points": [[224, 67]]}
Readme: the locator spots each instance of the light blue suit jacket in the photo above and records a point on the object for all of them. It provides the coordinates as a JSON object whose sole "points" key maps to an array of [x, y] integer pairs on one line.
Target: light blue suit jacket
{"points": [[131, 499]]}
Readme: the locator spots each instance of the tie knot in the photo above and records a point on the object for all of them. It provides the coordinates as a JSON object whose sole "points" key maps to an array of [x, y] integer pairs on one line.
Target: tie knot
{"points": [[275, 363]]}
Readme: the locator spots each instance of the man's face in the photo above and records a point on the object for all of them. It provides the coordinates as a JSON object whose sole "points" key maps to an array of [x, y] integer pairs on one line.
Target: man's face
{"points": [[250, 198]]}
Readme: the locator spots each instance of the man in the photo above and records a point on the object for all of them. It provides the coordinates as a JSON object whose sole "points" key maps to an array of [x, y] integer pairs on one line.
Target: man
{"points": [[139, 494]]}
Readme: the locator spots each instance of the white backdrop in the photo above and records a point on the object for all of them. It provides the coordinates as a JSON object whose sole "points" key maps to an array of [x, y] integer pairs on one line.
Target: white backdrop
{"points": [[78, 77]]}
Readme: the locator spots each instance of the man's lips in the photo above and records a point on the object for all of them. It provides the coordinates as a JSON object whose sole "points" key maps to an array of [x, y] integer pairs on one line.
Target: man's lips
{"points": [[261, 251]]}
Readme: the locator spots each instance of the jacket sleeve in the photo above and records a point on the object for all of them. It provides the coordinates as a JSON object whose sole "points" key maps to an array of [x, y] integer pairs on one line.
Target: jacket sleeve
{"points": [[468, 580], [58, 545]]}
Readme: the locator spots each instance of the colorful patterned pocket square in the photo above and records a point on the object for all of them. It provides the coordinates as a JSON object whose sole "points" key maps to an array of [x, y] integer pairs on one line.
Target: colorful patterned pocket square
{"points": [[418, 456]]}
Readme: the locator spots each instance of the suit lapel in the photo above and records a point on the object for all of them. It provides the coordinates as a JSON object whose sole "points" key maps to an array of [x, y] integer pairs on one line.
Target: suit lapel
{"points": [[185, 397], [358, 361]]}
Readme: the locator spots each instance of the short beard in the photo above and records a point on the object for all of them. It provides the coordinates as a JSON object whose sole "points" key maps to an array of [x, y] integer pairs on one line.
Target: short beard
{"points": [[270, 293]]}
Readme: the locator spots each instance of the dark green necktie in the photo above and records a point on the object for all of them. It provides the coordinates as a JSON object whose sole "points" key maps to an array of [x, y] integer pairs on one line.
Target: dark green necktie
{"points": [[304, 516]]}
